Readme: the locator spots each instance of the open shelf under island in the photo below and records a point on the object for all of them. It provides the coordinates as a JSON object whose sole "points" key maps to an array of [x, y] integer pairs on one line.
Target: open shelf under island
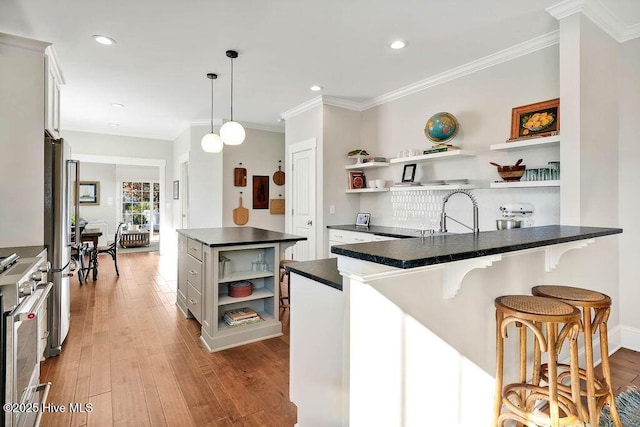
{"points": [[203, 290]]}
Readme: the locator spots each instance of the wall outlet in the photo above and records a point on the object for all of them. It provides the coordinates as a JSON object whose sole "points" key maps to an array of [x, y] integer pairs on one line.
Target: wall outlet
{"points": [[332, 209]]}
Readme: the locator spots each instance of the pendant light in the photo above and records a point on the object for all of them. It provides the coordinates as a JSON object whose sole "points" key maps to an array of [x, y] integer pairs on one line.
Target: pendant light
{"points": [[211, 142], [232, 133]]}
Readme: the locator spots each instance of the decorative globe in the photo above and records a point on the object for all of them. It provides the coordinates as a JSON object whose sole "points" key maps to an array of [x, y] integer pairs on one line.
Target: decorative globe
{"points": [[441, 127]]}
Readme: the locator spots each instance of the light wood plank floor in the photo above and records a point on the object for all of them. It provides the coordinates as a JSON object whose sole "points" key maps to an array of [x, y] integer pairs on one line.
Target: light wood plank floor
{"points": [[138, 361]]}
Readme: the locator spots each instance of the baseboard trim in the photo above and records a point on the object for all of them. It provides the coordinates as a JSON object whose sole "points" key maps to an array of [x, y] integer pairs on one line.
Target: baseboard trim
{"points": [[630, 338]]}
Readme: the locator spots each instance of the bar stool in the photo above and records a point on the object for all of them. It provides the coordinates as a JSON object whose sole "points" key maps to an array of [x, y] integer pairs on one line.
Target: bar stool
{"points": [[543, 317], [595, 307], [284, 273]]}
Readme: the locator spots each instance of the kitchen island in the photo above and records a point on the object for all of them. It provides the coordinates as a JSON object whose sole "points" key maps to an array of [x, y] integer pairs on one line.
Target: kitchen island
{"points": [[416, 336], [213, 260]]}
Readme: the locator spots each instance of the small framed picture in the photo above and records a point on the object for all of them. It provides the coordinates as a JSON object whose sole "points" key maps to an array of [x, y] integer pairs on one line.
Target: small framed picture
{"points": [[535, 120], [362, 219], [89, 193], [176, 190], [409, 173]]}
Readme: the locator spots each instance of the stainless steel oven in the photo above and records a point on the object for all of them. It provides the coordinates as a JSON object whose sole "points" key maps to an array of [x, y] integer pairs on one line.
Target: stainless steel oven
{"points": [[25, 292]]}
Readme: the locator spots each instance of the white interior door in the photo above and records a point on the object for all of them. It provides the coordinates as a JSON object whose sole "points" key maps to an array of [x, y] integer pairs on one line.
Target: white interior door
{"points": [[303, 199], [184, 195]]}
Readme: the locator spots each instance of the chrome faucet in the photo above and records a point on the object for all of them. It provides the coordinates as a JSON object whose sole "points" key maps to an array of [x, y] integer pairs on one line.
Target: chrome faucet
{"points": [[444, 216]]}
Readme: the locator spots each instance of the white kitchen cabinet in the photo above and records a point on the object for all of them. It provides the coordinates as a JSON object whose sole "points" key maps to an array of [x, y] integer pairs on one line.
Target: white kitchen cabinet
{"points": [[342, 237], [53, 81], [181, 293], [204, 295]]}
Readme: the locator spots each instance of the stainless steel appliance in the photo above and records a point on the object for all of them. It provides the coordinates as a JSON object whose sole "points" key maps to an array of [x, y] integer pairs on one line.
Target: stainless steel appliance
{"points": [[25, 292], [515, 215], [61, 175]]}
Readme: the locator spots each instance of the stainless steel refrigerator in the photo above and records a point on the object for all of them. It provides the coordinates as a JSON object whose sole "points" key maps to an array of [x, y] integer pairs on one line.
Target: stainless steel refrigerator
{"points": [[60, 176]]}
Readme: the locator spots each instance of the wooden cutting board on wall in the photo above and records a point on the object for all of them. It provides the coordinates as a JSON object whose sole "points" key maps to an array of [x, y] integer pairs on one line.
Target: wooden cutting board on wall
{"points": [[240, 214], [240, 177], [276, 206]]}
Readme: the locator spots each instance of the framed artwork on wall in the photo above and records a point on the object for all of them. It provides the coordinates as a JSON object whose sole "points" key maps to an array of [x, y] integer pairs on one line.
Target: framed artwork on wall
{"points": [[409, 173], [260, 192], [535, 120], [89, 193]]}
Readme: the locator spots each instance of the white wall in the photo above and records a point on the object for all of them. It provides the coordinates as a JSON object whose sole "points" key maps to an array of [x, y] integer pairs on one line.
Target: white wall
{"points": [[482, 103], [341, 134], [205, 182], [259, 154], [629, 177]]}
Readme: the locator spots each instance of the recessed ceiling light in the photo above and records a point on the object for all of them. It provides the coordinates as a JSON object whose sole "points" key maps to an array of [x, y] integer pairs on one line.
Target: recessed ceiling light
{"points": [[316, 88], [398, 44], [114, 125], [117, 105], [105, 40]]}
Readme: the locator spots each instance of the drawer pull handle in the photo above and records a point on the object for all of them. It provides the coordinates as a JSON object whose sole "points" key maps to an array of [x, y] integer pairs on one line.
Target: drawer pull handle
{"points": [[358, 240], [192, 301], [193, 272]]}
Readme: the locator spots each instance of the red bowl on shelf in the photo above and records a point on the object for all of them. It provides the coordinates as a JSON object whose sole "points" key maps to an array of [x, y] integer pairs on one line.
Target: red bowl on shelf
{"points": [[240, 289]]}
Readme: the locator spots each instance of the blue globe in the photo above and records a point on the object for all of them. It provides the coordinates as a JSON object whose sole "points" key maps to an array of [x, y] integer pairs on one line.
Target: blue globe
{"points": [[441, 127]]}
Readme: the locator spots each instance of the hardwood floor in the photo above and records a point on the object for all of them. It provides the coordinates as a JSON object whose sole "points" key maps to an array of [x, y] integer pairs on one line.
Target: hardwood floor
{"points": [[133, 356], [138, 361]]}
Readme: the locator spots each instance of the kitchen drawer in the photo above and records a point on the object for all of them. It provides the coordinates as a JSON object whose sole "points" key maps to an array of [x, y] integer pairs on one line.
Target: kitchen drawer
{"points": [[194, 302], [377, 238], [194, 248], [194, 273], [346, 237]]}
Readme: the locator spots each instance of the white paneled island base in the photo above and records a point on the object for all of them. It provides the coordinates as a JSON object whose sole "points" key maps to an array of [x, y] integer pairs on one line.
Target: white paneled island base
{"points": [[411, 355]]}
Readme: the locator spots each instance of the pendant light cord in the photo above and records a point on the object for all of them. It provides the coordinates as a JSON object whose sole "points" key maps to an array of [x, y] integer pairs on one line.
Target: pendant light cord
{"points": [[211, 105], [231, 89]]}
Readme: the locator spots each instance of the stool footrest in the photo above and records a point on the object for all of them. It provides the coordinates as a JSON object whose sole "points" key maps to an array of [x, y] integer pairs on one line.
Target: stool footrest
{"points": [[537, 397]]}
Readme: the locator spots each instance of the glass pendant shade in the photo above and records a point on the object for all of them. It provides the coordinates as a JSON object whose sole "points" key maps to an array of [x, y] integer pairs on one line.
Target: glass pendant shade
{"points": [[211, 143], [232, 133]]}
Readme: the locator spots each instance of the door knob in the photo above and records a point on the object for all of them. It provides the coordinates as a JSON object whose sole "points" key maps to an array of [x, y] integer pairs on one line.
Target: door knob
{"points": [[309, 222]]}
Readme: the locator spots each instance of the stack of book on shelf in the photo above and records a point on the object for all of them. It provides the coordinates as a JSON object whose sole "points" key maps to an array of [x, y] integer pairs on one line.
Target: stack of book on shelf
{"points": [[241, 316]]}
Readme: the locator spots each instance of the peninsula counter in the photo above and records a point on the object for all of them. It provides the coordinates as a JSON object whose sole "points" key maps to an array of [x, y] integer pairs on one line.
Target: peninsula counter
{"points": [[203, 289], [410, 340]]}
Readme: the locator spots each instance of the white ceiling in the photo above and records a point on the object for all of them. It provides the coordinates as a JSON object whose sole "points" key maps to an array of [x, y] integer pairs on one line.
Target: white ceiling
{"points": [[164, 49]]}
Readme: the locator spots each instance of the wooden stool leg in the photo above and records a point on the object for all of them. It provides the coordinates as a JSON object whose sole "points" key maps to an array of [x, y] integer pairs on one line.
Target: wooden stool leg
{"points": [[499, 368], [552, 364], [592, 404], [537, 359], [575, 369], [606, 370]]}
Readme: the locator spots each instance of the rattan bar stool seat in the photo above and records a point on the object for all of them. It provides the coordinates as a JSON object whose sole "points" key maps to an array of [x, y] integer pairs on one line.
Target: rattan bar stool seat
{"points": [[595, 307], [552, 322]]}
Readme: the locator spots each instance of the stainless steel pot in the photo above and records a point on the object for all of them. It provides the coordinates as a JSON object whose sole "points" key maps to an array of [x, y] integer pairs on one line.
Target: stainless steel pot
{"points": [[508, 223]]}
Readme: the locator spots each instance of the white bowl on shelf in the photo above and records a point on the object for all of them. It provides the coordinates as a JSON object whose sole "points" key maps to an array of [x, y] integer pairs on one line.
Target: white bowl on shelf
{"points": [[381, 183]]}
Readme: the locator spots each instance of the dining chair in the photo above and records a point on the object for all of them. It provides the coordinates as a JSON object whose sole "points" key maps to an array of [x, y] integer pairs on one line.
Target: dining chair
{"points": [[112, 248]]}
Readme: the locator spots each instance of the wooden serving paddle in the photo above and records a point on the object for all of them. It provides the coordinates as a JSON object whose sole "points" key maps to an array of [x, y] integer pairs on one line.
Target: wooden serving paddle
{"points": [[276, 207], [240, 214], [240, 177], [278, 176]]}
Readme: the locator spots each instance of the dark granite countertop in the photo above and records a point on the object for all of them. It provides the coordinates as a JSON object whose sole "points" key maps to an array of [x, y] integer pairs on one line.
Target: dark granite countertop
{"points": [[229, 236], [22, 251], [417, 252], [322, 270], [400, 233]]}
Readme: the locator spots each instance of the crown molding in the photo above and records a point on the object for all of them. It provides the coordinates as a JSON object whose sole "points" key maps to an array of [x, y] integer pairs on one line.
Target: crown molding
{"points": [[23, 42], [600, 15], [263, 127], [110, 132], [513, 52], [305, 106], [220, 122], [342, 103]]}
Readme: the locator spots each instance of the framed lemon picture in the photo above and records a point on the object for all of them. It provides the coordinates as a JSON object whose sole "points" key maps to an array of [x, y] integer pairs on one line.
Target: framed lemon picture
{"points": [[535, 120]]}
